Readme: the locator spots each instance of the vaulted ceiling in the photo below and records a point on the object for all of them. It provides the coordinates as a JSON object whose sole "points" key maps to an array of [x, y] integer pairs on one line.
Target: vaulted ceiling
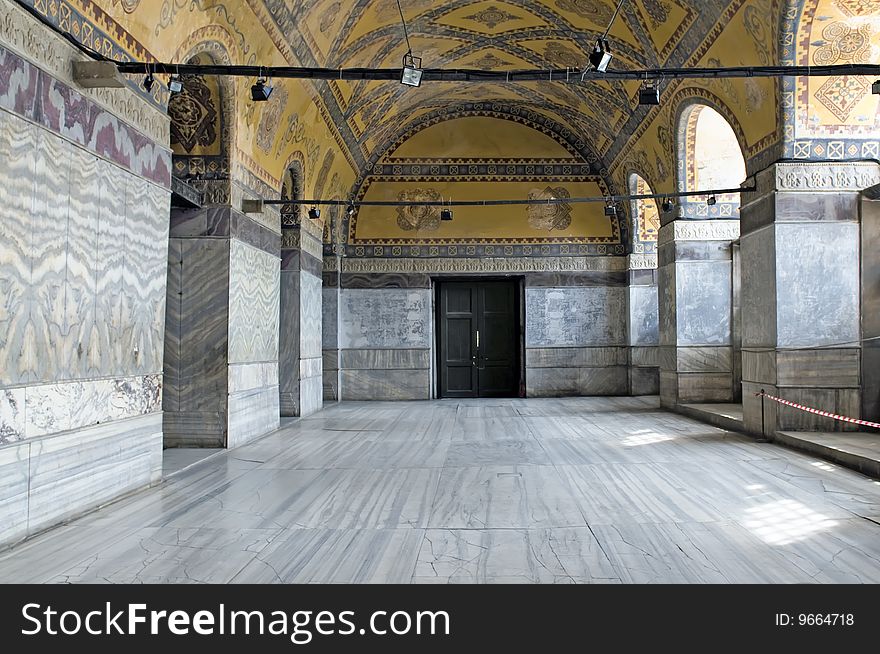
{"points": [[496, 35]]}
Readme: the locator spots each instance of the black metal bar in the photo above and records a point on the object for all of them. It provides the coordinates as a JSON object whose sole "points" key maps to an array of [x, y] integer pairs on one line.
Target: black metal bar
{"points": [[490, 203]]}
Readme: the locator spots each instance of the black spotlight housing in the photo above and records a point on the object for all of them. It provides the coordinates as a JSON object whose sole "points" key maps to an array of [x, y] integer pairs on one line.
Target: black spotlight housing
{"points": [[649, 95], [148, 82], [711, 201], [412, 70], [875, 87], [667, 205], [351, 209], [601, 55], [610, 210], [261, 91], [174, 84], [314, 213], [446, 214]]}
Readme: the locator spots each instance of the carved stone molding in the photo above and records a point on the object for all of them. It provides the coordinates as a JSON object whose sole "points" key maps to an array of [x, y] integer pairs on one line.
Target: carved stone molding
{"points": [[818, 177], [486, 265], [22, 34], [297, 239], [699, 230], [641, 262]]}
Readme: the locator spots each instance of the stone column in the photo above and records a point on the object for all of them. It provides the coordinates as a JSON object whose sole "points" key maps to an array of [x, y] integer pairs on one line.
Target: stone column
{"points": [[801, 299], [300, 365], [695, 290], [221, 353], [871, 304], [643, 329], [330, 326]]}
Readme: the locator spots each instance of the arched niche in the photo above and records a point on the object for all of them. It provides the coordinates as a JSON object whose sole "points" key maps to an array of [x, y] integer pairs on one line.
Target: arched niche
{"points": [[710, 158]]}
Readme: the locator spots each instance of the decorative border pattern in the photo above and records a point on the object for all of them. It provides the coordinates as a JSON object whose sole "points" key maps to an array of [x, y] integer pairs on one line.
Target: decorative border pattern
{"points": [[484, 265]]}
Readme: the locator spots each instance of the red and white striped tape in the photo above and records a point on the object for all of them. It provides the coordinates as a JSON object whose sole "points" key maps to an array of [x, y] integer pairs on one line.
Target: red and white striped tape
{"points": [[825, 414]]}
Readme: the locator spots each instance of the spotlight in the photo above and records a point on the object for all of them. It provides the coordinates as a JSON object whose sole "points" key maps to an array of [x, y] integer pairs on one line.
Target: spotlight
{"points": [[875, 87], [175, 85], [649, 95], [261, 91], [412, 70], [667, 205], [314, 213], [148, 82], [600, 57], [711, 201], [610, 209], [446, 214], [351, 209]]}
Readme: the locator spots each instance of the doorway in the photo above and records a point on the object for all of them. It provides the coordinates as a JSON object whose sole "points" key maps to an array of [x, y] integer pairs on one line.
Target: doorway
{"points": [[478, 336]]}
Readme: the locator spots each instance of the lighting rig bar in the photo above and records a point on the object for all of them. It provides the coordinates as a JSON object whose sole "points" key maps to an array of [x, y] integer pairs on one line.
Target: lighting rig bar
{"points": [[475, 75], [490, 203]]}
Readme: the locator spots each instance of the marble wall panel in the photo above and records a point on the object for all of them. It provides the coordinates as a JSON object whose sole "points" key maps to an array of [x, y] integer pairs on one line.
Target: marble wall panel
{"points": [[14, 485], [644, 381], [17, 174], [251, 415], [254, 287], [645, 356], [666, 305], [576, 357], [311, 395], [329, 320], [331, 384], [311, 334], [289, 342], [832, 367], [575, 316], [252, 376], [385, 318], [703, 302], [759, 365], [385, 385], [111, 229], [758, 251], [566, 382], [12, 415], [72, 472], [817, 294], [385, 359], [644, 320], [309, 368], [705, 359], [171, 358]]}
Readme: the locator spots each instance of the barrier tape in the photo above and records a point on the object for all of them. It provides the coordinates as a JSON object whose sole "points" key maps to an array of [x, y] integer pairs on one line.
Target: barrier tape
{"points": [[824, 414]]}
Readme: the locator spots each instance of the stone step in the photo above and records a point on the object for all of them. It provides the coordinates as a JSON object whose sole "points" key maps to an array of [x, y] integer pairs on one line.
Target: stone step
{"points": [[857, 450], [725, 416]]}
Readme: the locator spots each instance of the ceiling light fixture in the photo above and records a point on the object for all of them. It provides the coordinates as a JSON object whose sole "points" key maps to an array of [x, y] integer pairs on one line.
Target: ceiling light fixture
{"points": [[649, 95], [351, 208], [875, 87], [314, 213], [446, 214], [149, 81], [667, 205], [174, 84], [601, 55], [610, 209], [711, 201], [261, 91], [411, 75]]}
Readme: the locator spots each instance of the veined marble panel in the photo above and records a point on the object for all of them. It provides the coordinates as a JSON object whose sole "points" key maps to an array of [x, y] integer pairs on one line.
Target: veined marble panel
{"points": [[329, 318], [837, 367], [289, 342], [252, 414], [251, 376], [73, 472], [331, 359], [384, 359], [644, 320], [310, 312], [254, 287], [52, 408], [576, 357], [384, 318], [311, 395], [14, 484], [12, 415], [309, 368], [18, 154], [563, 382], [385, 385], [645, 356], [575, 316], [109, 263], [703, 302]]}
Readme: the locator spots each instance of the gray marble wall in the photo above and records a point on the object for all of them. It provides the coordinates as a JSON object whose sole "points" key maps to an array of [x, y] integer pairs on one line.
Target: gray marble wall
{"points": [[576, 335], [385, 337], [870, 220], [83, 255], [695, 283], [801, 293], [330, 334], [221, 354], [643, 328]]}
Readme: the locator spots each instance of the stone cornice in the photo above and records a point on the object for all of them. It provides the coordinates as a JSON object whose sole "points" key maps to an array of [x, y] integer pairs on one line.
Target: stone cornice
{"points": [[699, 230], [510, 265]]}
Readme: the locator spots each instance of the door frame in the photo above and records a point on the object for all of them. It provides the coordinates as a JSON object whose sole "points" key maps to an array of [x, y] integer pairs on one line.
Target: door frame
{"points": [[519, 311]]}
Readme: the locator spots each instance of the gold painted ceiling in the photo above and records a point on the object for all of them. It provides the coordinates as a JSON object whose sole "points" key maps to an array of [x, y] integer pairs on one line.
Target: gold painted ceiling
{"points": [[496, 35]]}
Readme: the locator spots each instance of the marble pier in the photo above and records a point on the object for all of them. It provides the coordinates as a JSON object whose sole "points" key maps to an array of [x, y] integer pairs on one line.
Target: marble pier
{"points": [[581, 490]]}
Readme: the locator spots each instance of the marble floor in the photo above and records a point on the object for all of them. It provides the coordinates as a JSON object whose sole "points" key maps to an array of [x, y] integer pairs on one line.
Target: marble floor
{"points": [[583, 490]]}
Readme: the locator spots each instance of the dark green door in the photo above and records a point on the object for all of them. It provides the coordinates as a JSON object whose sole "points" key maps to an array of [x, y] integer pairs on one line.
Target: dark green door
{"points": [[478, 339]]}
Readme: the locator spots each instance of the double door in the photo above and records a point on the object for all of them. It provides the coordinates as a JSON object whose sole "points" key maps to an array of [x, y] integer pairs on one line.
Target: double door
{"points": [[478, 339]]}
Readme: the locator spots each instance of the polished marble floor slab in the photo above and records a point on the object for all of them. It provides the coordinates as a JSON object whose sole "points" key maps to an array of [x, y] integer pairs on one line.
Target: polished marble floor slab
{"points": [[580, 490]]}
